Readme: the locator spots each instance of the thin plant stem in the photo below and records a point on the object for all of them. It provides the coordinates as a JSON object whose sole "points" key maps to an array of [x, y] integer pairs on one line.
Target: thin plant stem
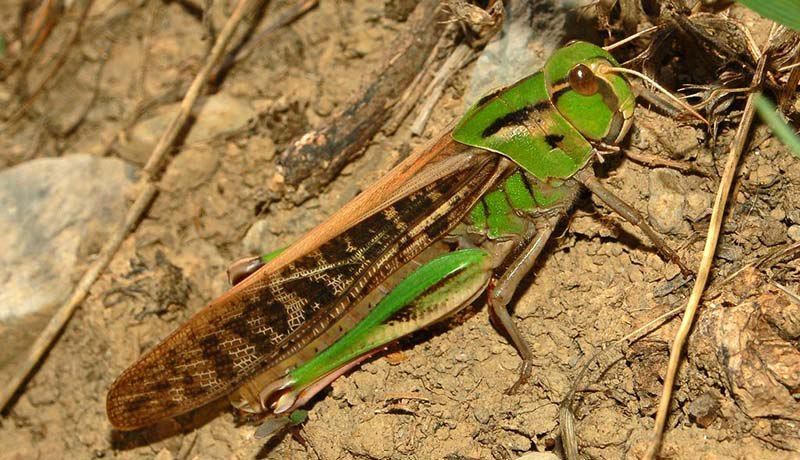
{"points": [[706, 262]]}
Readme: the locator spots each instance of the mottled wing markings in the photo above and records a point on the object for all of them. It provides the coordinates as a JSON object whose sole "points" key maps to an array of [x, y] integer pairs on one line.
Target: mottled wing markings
{"points": [[246, 332]]}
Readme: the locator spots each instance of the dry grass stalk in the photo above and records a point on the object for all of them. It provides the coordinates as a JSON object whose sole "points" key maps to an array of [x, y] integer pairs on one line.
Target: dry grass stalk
{"points": [[717, 214]]}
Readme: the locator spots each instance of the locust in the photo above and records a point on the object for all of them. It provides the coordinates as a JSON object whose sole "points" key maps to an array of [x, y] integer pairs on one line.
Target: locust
{"points": [[466, 215]]}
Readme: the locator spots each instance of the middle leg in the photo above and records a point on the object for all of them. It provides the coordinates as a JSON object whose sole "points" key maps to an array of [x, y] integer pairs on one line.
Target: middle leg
{"points": [[503, 290]]}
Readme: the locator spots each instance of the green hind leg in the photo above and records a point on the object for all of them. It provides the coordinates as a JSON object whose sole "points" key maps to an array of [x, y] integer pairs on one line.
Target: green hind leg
{"points": [[431, 293]]}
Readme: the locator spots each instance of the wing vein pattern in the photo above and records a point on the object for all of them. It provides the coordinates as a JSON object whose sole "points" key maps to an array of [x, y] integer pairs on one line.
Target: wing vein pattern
{"points": [[256, 327]]}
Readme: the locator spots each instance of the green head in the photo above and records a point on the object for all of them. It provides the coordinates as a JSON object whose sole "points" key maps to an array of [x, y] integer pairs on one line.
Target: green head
{"points": [[550, 122], [585, 90]]}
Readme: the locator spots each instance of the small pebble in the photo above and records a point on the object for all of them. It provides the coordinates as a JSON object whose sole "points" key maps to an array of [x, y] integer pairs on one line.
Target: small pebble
{"points": [[704, 410], [765, 175], [516, 442], [635, 275], [778, 214], [276, 182], [772, 233], [539, 456], [482, 414], [698, 206], [794, 232], [729, 253], [324, 106], [262, 148]]}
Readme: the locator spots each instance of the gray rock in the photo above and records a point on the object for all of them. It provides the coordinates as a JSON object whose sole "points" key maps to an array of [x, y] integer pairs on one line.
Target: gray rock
{"points": [[522, 48], [54, 212]]}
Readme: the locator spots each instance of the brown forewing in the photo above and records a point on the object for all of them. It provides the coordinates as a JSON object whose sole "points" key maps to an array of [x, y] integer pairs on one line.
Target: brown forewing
{"points": [[281, 308]]}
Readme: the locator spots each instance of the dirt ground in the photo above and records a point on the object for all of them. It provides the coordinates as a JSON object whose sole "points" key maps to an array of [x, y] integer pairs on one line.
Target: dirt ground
{"points": [[439, 394]]}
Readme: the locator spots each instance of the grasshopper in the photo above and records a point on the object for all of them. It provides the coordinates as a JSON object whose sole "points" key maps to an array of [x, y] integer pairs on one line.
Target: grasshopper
{"points": [[496, 185]]}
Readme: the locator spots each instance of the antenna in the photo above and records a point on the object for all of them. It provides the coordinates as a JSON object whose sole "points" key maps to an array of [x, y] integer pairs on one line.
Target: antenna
{"points": [[616, 45], [676, 99]]}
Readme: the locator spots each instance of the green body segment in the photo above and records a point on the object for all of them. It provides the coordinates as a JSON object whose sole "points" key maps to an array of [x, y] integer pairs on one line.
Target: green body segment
{"points": [[502, 212], [429, 294], [500, 218], [521, 123]]}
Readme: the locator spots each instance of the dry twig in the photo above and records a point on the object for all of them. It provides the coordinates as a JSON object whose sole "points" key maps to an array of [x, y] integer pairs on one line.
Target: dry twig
{"points": [[413, 93], [148, 188], [150, 30], [43, 19], [314, 159], [457, 59], [705, 264]]}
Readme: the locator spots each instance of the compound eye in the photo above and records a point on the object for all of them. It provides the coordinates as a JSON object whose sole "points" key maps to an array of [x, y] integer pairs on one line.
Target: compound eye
{"points": [[583, 80]]}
